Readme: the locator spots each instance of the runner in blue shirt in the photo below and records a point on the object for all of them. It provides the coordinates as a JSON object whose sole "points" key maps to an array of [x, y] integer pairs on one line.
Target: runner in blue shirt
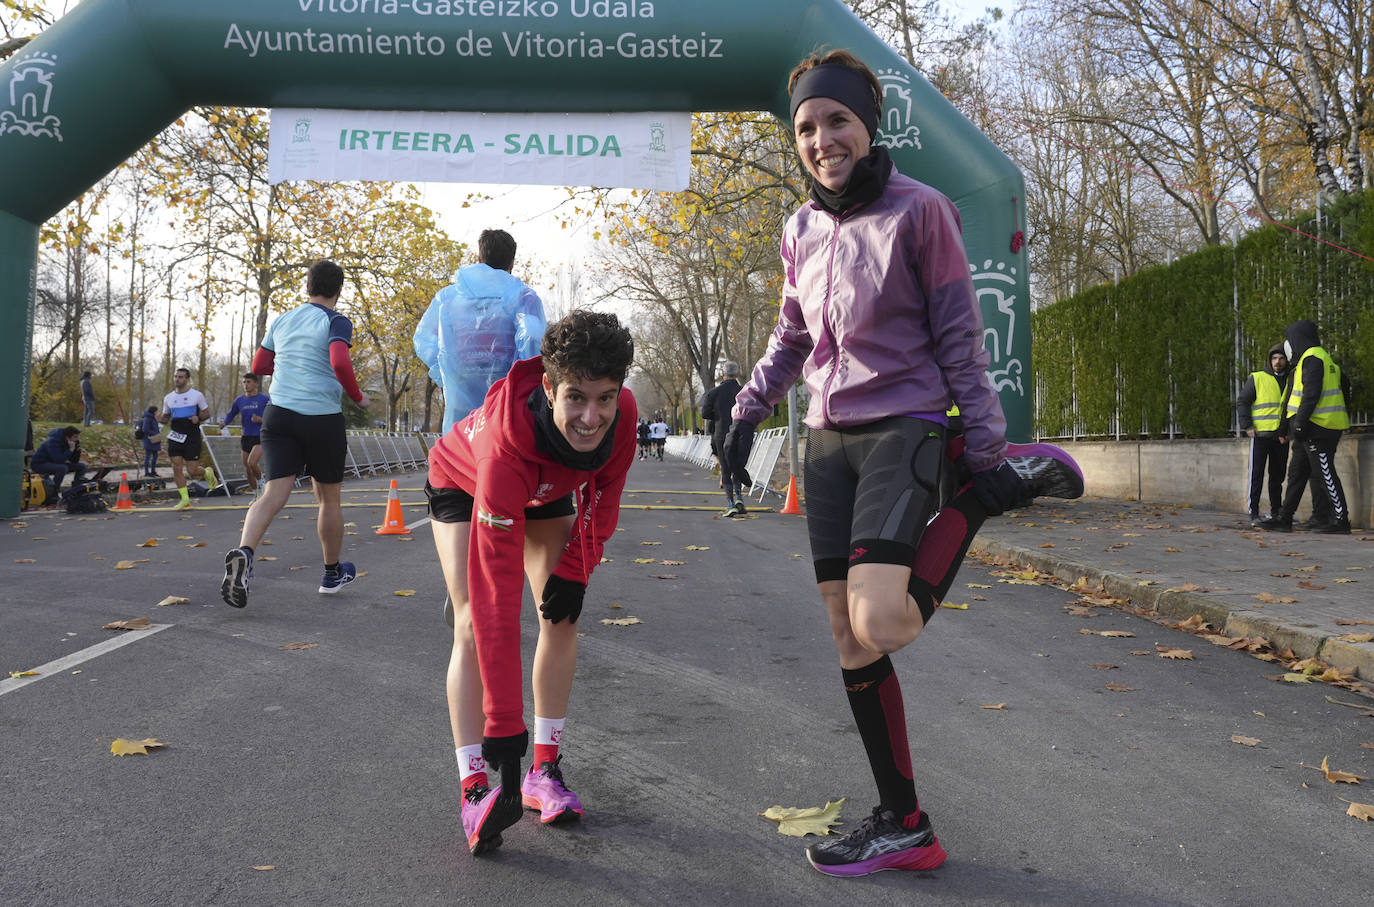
{"points": [[249, 408], [303, 432]]}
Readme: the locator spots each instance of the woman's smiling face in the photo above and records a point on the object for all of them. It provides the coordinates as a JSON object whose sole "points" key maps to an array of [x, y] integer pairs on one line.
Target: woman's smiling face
{"points": [[831, 139]]}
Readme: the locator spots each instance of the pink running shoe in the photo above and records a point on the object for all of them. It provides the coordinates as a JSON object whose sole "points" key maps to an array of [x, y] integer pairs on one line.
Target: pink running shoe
{"points": [[485, 815], [543, 789], [1045, 470]]}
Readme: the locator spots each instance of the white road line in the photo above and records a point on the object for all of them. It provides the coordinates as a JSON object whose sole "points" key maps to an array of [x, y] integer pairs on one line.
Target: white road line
{"points": [[418, 523], [10, 684]]}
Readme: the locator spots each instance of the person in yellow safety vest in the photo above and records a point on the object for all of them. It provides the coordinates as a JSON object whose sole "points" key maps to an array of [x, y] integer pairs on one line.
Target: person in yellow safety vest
{"points": [[1314, 417], [1260, 411]]}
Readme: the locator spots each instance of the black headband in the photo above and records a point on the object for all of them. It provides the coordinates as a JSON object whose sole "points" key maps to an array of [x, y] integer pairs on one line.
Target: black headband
{"points": [[840, 83]]}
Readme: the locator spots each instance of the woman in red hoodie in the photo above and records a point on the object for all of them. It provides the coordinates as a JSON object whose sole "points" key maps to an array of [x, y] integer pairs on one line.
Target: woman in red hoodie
{"points": [[501, 486]]}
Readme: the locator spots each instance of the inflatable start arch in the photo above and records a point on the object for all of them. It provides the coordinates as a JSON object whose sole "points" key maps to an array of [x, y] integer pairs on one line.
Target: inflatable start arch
{"points": [[111, 74]]}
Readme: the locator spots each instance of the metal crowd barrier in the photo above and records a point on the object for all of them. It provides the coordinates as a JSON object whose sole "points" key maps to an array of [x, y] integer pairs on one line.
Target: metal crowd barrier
{"points": [[369, 453], [763, 458]]}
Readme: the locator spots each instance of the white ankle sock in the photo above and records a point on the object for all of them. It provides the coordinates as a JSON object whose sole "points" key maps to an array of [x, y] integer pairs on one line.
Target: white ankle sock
{"points": [[470, 760]]}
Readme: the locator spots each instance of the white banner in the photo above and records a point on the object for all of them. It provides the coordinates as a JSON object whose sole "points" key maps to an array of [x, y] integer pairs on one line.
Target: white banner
{"points": [[611, 150]]}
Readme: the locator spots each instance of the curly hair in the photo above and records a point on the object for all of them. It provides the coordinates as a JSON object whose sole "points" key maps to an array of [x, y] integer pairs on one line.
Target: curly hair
{"points": [[587, 345]]}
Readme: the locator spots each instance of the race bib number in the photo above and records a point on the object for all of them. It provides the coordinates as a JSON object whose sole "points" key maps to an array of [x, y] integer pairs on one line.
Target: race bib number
{"points": [[176, 436]]}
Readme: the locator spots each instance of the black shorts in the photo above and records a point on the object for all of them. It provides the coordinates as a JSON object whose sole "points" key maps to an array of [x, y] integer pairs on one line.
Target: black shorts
{"points": [[248, 442], [188, 449], [870, 491], [454, 505], [297, 445]]}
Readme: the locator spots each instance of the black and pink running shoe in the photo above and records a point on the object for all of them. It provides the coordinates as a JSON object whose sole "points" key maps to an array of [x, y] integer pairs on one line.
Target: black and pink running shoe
{"points": [[880, 842]]}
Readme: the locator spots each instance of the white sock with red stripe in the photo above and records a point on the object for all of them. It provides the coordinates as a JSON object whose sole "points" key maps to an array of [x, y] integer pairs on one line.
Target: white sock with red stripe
{"points": [[472, 768], [548, 734]]}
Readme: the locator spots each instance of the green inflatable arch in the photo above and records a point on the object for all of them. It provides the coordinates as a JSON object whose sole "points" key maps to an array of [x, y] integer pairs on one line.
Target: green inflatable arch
{"points": [[111, 74]]}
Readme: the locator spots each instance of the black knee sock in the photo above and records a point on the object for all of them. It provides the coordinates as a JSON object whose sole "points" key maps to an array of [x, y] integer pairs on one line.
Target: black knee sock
{"points": [[875, 698]]}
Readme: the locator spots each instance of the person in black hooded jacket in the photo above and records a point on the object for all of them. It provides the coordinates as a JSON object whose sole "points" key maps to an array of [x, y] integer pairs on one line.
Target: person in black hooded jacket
{"points": [[1314, 417], [1259, 407]]}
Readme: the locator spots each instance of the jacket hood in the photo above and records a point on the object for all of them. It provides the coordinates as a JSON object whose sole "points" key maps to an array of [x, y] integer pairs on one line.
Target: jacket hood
{"points": [[483, 281], [1299, 337], [55, 435], [1268, 361]]}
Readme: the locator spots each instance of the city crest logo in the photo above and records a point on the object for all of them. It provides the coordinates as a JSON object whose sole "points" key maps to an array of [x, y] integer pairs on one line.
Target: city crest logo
{"points": [[29, 94], [301, 132], [657, 136], [897, 130]]}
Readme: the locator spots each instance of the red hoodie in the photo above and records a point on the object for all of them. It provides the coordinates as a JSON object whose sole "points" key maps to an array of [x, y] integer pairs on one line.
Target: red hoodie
{"points": [[491, 454]]}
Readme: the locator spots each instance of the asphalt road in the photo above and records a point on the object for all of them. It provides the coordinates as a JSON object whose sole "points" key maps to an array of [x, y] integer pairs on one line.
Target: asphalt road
{"points": [[333, 765]]}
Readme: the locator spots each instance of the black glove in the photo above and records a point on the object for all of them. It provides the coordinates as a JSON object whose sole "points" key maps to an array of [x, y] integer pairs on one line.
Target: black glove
{"points": [[1299, 430], [739, 440], [500, 751], [562, 598], [997, 489]]}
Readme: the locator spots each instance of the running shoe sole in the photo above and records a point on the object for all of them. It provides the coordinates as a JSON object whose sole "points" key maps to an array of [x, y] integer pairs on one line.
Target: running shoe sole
{"points": [[504, 812], [568, 814], [914, 859], [234, 588], [1048, 471]]}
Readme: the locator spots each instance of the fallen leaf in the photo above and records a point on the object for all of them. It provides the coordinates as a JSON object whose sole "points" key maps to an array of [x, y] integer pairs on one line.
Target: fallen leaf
{"points": [[151, 543], [697, 548], [297, 646], [265, 557], [1345, 579], [1357, 637], [173, 600], [1363, 811], [404, 593], [1304, 584], [1000, 707], [23, 673], [1244, 741], [1115, 634], [665, 576], [1175, 654], [126, 565], [185, 538], [1336, 777], [799, 821], [122, 747], [621, 621], [614, 605], [651, 544], [1174, 550], [673, 563], [1347, 622], [953, 606], [1103, 666], [25, 560], [646, 560], [1295, 678], [977, 585], [1047, 545], [202, 545], [1120, 688], [266, 868], [137, 623]]}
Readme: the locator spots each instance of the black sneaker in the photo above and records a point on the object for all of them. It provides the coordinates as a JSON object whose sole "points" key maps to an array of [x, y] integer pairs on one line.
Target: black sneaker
{"points": [[1277, 524], [238, 570], [1339, 527], [880, 842], [1311, 524], [1045, 471]]}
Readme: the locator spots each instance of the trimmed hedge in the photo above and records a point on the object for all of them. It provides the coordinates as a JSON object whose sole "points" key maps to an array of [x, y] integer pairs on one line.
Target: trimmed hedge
{"points": [[1176, 341]]}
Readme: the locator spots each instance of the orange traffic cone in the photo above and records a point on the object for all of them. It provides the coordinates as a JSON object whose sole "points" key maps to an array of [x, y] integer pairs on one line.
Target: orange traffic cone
{"points": [[791, 505], [393, 523], [124, 501]]}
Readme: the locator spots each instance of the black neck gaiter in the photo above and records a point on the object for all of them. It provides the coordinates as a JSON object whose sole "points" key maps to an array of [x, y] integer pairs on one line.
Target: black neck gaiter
{"points": [[866, 183]]}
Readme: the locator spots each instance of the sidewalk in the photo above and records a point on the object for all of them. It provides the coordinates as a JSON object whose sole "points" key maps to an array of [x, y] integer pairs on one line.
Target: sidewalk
{"points": [[1301, 590]]}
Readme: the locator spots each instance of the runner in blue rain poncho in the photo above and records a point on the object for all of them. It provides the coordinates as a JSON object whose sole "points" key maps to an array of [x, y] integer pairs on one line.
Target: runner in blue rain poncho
{"points": [[478, 326]]}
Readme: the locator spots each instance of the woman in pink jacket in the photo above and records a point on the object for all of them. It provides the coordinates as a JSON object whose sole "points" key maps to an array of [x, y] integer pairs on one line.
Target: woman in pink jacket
{"points": [[879, 317], [501, 486]]}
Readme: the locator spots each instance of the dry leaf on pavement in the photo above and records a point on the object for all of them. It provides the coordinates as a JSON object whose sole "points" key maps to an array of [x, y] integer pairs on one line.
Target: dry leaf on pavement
{"points": [[621, 621], [1336, 777], [151, 543], [799, 821], [1175, 654], [1363, 811], [404, 593], [1000, 707], [137, 623], [1244, 741], [122, 747], [173, 600], [1120, 688]]}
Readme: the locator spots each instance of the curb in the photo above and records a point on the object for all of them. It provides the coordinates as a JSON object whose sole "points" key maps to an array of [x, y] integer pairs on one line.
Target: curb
{"points": [[1231, 621]]}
